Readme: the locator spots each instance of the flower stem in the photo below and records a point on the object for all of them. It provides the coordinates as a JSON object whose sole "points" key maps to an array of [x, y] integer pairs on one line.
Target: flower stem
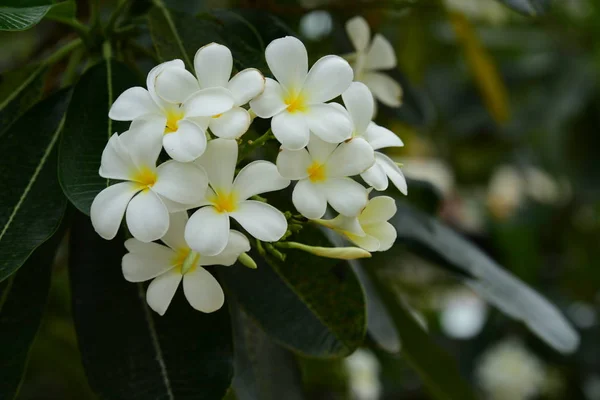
{"points": [[254, 144], [63, 52], [120, 10]]}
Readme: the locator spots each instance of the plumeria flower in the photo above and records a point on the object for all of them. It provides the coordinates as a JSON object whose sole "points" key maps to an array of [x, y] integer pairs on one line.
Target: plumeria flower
{"points": [[148, 191], [370, 229], [322, 171], [168, 265], [360, 104], [297, 100], [213, 64], [371, 57], [181, 119], [207, 230]]}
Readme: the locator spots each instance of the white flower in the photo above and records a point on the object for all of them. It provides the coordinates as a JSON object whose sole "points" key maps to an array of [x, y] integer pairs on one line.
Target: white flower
{"points": [[370, 229], [296, 101], [370, 57], [207, 230], [363, 375], [213, 64], [322, 171], [181, 121], [167, 266], [131, 157], [360, 105]]}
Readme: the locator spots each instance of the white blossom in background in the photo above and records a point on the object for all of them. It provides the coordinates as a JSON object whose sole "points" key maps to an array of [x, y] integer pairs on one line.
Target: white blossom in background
{"points": [[213, 64], [181, 119], [297, 99], [489, 11], [168, 265], [148, 192], [370, 229], [370, 57], [316, 25], [207, 231], [360, 105], [463, 314], [363, 375], [322, 171], [508, 371]]}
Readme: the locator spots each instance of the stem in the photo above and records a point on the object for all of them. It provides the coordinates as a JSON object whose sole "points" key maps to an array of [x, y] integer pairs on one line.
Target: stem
{"points": [[82, 30], [122, 6], [62, 52], [71, 71], [252, 145], [94, 13]]}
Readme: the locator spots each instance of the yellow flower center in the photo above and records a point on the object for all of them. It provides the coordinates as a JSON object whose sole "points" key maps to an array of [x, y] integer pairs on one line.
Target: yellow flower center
{"points": [[145, 177], [224, 202], [186, 260], [173, 118], [316, 172], [295, 102], [217, 116]]}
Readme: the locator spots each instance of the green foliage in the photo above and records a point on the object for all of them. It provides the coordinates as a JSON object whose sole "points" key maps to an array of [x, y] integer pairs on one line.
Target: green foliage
{"points": [[19, 19]]}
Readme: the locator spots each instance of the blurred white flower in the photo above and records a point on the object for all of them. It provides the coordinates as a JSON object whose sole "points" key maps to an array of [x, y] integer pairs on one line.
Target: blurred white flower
{"points": [[463, 314], [363, 375], [489, 11], [207, 231], [297, 100], [168, 265], [131, 157], [432, 170], [322, 171], [316, 24], [371, 57]]}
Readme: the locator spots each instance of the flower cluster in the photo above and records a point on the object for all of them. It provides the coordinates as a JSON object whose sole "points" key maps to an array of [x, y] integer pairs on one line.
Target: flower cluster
{"points": [[198, 120]]}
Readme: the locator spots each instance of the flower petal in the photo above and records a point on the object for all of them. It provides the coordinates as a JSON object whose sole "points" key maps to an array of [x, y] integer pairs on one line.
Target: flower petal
{"points": [[246, 85], [219, 161], [258, 177], [346, 196], [261, 220], [309, 199], [154, 260], [381, 54], [288, 61], [181, 182], [328, 78], [359, 103], [231, 124], [213, 64], [290, 129], [376, 177], [175, 85], [207, 231], [236, 245], [109, 206], [161, 291], [174, 237], [358, 30], [133, 103], [293, 164], [143, 140], [384, 88], [392, 171], [380, 137], [350, 158], [379, 209], [208, 102], [367, 242], [270, 101], [328, 122], [203, 291], [147, 217], [384, 232], [151, 79], [187, 143], [174, 206], [116, 162], [319, 149]]}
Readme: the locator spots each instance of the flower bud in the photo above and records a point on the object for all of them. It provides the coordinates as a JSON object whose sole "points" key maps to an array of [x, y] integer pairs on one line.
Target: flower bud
{"points": [[247, 261], [342, 253]]}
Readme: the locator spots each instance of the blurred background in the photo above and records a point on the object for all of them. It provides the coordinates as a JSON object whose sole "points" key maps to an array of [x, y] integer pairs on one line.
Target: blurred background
{"points": [[500, 120]]}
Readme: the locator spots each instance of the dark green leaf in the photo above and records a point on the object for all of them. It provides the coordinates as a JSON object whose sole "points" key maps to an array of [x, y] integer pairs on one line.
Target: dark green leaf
{"points": [[310, 304], [22, 303], [437, 369], [128, 351], [264, 370], [528, 7], [32, 204], [64, 11], [87, 129], [21, 18], [417, 108], [436, 242]]}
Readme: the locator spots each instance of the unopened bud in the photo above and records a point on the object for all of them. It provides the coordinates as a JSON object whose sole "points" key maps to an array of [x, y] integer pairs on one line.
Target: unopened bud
{"points": [[247, 261], [342, 253]]}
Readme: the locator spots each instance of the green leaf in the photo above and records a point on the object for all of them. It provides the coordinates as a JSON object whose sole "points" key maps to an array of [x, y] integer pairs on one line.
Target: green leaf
{"points": [[87, 130], [432, 240], [22, 303], [21, 18], [310, 304], [528, 7], [264, 370], [32, 204], [436, 368], [62, 12], [130, 352]]}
